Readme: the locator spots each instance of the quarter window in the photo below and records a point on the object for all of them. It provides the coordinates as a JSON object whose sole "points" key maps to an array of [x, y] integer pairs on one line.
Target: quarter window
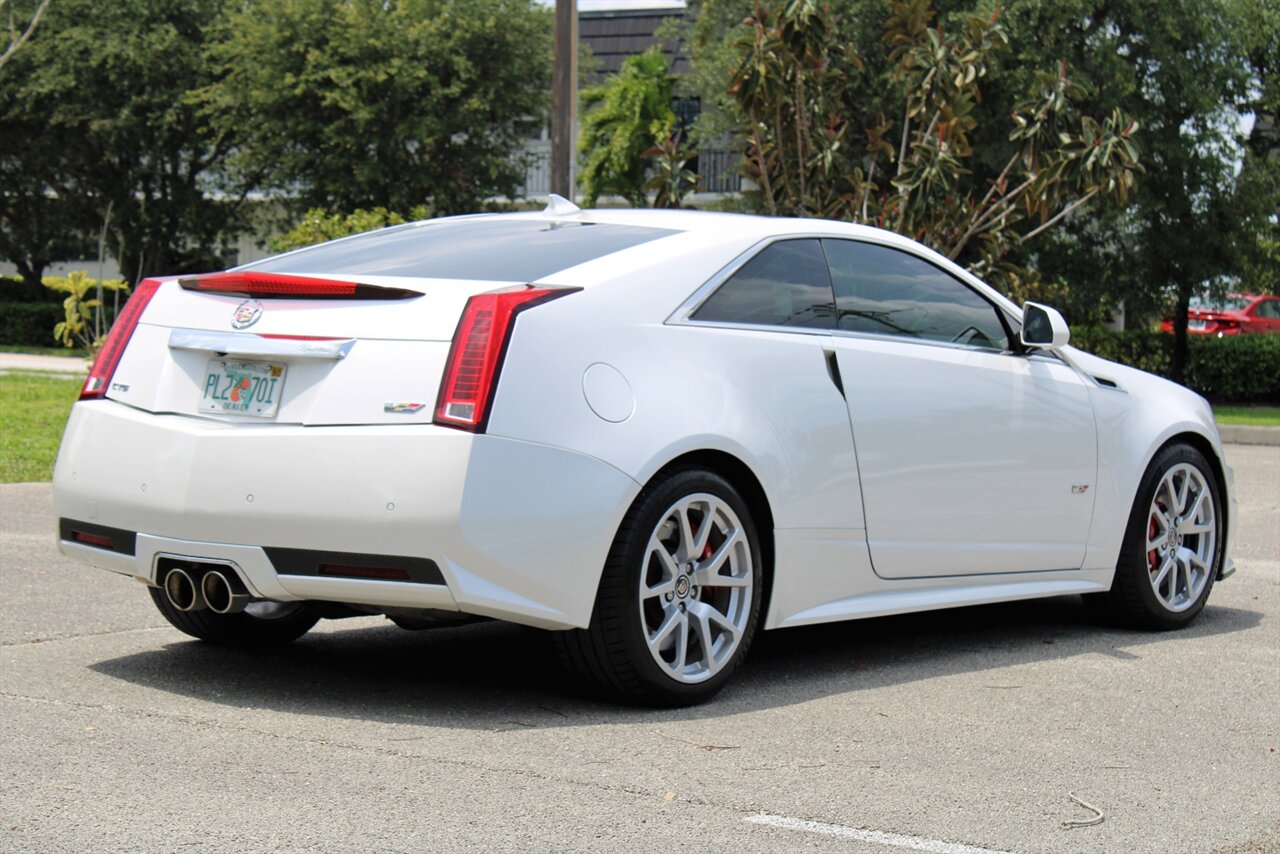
{"points": [[785, 285], [1270, 309], [889, 292]]}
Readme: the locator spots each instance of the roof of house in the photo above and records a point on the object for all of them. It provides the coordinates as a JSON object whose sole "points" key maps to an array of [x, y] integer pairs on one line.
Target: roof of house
{"points": [[614, 32]]}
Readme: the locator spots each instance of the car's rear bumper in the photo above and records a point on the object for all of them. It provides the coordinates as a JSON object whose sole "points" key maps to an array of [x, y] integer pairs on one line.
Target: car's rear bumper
{"points": [[518, 530]]}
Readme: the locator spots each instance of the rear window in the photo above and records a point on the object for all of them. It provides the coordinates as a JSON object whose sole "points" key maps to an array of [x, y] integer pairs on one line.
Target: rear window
{"points": [[1222, 304], [496, 250]]}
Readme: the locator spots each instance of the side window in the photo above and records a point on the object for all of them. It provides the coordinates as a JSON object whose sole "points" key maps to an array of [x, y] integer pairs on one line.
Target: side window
{"points": [[889, 292], [1270, 309], [785, 285]]}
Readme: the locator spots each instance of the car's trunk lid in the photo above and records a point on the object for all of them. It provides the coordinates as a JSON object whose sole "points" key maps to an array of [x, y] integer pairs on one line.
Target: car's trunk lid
{"points": [[368, 357]]}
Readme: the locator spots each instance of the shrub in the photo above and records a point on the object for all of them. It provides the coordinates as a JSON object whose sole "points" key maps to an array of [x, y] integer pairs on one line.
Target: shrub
{"points": [[1236, 368], [1244, 368], [14, 289], [29, 323], [318, 225]]}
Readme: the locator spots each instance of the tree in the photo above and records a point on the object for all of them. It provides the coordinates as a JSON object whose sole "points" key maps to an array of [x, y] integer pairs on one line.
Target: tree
{"points": [[348, 104], [1187, 74], [20, 29], [318, 226], [97, 110], [817, 147], [623, 119]]}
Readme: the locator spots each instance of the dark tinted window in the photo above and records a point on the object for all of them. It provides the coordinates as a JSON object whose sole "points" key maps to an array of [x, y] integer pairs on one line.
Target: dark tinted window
{"points": [[501, 250], [1269, 309], [785, 285], [889, 292]]}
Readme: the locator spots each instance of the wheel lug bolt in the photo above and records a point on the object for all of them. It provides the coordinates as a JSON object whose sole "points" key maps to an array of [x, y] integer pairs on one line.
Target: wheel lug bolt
{"points": [[683, 607], [670, 596]]}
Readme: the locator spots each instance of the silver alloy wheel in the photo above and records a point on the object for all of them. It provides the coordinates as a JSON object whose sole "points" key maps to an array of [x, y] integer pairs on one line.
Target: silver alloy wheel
{"points": [[696, 588], [1182, 534]]}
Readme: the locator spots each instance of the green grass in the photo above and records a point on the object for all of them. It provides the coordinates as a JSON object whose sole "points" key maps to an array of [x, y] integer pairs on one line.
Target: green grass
{"points": [[27, 350], [33, 411], [1251, 416]]}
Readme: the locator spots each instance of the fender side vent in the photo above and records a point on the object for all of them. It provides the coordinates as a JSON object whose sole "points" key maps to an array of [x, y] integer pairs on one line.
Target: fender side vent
{"points": [[1106, 383]]}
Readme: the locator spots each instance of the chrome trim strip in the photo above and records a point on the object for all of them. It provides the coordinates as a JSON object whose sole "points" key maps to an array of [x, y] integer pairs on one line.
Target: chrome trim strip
{"points": [[250, 344]]}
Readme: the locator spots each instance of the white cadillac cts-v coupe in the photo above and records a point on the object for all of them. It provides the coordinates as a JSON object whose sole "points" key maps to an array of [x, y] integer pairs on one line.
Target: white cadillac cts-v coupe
{"points": [[652, 432]]}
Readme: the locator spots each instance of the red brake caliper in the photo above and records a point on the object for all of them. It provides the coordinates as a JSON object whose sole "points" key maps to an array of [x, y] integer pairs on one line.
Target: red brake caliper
{"points": [[1151, 533]]}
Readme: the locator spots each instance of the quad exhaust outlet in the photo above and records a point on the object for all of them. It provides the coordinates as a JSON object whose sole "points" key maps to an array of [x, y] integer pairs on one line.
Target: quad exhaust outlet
{"points": [[221, 591], [182, 592]]}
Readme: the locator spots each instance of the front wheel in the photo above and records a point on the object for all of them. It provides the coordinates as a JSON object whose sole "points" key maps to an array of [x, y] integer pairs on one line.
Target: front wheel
{"points": [[679, 598], [1172, 547], [262, 624]]}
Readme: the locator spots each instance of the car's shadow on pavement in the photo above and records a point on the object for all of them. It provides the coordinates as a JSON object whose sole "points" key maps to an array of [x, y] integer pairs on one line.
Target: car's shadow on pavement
{"points": [[494, 676]]}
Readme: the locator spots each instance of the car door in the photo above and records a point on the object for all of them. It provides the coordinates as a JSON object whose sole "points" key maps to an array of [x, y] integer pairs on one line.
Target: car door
{"points": [[974, 457], [1266, 316]]}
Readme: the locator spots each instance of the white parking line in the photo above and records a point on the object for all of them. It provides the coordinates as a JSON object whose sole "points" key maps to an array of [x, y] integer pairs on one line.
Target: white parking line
{"points": [[915, 843]]}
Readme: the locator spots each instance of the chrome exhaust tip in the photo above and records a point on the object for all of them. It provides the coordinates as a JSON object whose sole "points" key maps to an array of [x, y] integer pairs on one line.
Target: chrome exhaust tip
{"points": [[223, 595], [181, 591]]}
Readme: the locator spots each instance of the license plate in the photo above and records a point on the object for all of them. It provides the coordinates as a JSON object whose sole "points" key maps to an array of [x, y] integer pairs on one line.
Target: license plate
{"points": [[1195, 324], [237, 387]]}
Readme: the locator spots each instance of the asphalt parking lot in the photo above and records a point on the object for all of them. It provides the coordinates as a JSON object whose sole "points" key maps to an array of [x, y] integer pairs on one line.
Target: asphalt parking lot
{"points": [[955, 732]]}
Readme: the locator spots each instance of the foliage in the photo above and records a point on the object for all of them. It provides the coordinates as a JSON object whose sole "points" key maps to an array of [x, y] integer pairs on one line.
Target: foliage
{"points": [[29, 322], [20, 29], [33, 413], [318, 225], [1187, 75], [622, 120], [83, 316], [1242, 368], [1236, 367], [673, 182], [95, 114], [815, 150], [350, 104], [15, 289]]}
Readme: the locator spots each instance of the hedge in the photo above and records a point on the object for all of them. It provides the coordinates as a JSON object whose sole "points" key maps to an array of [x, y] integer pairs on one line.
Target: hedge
{"points": [[1233, 368], [13, 289], [29, 323], [28, 319]]}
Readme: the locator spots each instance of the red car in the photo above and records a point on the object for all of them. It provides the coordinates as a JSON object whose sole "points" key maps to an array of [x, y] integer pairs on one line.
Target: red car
{"points": [[1237, 314]]}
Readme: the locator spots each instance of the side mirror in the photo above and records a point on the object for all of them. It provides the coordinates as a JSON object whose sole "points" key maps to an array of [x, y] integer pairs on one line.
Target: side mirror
{"points": [[1043, 328]]}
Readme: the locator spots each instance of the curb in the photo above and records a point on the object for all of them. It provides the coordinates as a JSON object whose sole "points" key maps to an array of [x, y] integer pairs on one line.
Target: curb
{"points": [[43, 364], [1240, 434]]}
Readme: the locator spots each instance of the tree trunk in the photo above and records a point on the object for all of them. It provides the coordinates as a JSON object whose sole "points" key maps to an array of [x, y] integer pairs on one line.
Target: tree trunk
{"points": [[1178, 368], [32, 273]]}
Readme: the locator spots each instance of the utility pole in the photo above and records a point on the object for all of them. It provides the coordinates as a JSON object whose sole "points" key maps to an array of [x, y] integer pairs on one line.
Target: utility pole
{"points": [[564, 97]]}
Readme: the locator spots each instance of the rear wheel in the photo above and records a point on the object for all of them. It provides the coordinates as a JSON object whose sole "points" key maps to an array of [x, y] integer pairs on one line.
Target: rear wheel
{"points": [[679, 598], [1172, 547], [261, 624]]}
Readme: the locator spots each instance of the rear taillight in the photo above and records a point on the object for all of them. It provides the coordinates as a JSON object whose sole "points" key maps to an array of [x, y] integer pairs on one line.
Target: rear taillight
{"points": [[104, 366], [247, 283], [475, 359]]}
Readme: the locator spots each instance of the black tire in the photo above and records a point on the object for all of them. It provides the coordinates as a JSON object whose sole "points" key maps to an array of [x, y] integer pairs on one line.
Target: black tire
{"points": [[242, 630], [1133, 599], [612, 655]]}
